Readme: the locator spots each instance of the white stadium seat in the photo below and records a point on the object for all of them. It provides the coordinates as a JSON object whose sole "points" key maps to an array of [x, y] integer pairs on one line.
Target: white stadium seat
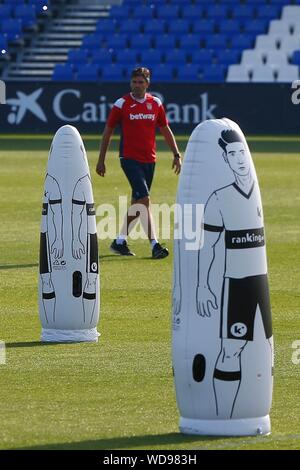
{"points": [[287, 74], [290, 43], [281, 27], [276, 58], [263, 74], [291, 12], [252, 57], [237, 74], [265, 42]]}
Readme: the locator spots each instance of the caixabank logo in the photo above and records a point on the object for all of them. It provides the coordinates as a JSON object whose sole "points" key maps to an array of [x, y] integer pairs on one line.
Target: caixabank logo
{"points": [[46, 107]]}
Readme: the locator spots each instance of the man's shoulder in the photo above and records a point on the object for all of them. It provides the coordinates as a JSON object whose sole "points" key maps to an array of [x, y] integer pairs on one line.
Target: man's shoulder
{"points": [[120, 101], [152, 98]]}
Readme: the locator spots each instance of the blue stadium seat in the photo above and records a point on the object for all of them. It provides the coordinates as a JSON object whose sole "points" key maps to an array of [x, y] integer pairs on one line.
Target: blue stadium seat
{"points": [[227, 57], [5, 11], [175, 57], [204, 26], [119, 12], [126, 56], [218, 11], [192, 12], [113, 73], [3, 44], [179, 27], [102, 56], [168, 12], [243, 12], [242, 41], [189, 42], [230, 27], [78, 56], [63, 73], [27, 14], [12, 28], [131, 26], [88, 73], [144, 12], [217, 41], [189, 73], [165, 42], [155, 26], [151, 57], [92, 41], [107, 25], [117, 41], [256, 27], [202, 57], [296, 58], [141, 41], [162, 73], [268, 12], [213, 74]]}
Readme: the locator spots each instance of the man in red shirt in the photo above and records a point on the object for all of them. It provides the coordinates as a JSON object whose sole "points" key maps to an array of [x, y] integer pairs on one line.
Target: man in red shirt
{"points": [[139, 114]]}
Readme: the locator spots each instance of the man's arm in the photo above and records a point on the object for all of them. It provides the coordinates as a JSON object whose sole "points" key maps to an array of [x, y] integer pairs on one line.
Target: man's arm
{"points": [[171, 142], [205, 297], [107, 133]]}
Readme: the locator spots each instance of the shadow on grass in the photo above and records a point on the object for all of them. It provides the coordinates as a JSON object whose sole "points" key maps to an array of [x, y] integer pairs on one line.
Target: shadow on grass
{"points": [[18, 266], [134, 442], [32, 344]]}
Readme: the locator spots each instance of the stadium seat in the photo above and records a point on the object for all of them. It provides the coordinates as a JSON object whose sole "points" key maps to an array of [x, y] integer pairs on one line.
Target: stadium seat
{"points": [[119, 12], [227, 57], [263, 74], [189, 42], [63, 73], [252, 57], [175, 57], [141, 41], [276, 58], [101, 56], [126, 56], [287, 73], [202, 57], [117, 41], [243, 12], [88, 73], [280, 26], [238, 74], [290, 44], [213, 74], [92, 41], [143, 12], [242, 41], [188, 73], [192, 12], [163, 73], [155, 26], [168, 12], [203, 26], [229, 27], [113, 73], [266, 42], [291, 12], [296, 58], [107, 25], [179, 27], [151, 56], [165, 42]]}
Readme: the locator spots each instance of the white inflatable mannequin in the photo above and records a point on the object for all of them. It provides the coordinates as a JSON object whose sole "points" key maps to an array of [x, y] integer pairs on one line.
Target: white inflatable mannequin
{"points": [[69, 270], [222, 331]]}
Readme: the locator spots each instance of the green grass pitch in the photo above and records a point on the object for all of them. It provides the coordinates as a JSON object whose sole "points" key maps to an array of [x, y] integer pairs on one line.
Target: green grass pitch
{"points": [[119, 393]]}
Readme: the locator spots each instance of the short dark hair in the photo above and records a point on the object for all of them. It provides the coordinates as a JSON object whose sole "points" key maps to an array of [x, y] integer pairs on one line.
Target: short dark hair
{"points": [[141, 72], [228, 137]]}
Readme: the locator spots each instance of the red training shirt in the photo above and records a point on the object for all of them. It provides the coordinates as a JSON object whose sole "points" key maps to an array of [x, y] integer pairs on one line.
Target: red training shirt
{"points": [[138, 120]]}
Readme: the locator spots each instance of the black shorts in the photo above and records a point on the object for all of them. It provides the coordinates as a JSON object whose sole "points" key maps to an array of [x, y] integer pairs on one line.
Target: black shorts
{"points": [[45, 262], [92, 255], [139, 175], [240, 299]]}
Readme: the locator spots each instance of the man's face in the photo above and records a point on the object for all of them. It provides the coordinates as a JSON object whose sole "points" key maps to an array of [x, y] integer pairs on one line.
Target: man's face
{"points": [[138, 86], [237, 158]]}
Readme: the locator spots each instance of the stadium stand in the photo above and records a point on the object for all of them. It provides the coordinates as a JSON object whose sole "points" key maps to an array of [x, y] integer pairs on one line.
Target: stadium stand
{"points": [[180, 40]]}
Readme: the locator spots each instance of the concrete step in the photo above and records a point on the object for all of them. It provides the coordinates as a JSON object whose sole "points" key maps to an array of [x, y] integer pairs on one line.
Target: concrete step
{"points": [[46, 50], [44, 58], [71, 36], [32, 65], [74, 21], [30, 73], [62, 44]]}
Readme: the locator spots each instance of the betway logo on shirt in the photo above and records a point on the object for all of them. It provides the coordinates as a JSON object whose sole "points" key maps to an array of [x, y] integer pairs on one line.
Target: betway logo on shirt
{"points": [[151, 117], [251, 238]]}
